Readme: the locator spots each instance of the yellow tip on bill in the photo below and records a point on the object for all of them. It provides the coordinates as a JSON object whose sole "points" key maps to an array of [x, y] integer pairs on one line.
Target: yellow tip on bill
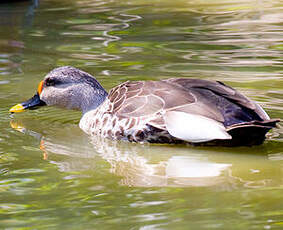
{"points": [[17, 109]]}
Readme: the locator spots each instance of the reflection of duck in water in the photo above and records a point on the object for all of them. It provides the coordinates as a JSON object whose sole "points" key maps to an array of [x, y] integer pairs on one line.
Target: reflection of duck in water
{"points": [[138, 165], [144, 165], [166, 111]]}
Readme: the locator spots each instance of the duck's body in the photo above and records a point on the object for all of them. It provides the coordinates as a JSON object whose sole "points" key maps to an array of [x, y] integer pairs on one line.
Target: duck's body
{"points": [[142, 111], [167, 111]]}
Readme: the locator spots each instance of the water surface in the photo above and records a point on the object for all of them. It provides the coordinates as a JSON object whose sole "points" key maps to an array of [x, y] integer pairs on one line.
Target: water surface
{"points": [[53, 176]]}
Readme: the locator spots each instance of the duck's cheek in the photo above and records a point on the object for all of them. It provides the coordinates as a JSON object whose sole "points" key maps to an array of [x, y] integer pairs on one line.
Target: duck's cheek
{"points": [[54, 100], [44, 98], [48, 99], [49, 96]]}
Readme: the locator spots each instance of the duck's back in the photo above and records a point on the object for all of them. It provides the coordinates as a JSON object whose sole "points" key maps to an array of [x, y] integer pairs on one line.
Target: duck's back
{"points": [[176, 110]]}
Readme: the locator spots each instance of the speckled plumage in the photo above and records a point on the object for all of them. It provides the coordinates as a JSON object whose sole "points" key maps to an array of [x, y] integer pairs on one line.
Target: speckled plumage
{"points": [[104, 122]]}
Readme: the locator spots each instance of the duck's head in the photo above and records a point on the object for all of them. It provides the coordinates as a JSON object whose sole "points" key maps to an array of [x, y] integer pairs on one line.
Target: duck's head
{"points": [[66, 87]]}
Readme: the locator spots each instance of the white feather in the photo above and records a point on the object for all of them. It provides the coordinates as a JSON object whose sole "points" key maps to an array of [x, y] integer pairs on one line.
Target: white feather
{"points": [[194, 128], [264, 115]]}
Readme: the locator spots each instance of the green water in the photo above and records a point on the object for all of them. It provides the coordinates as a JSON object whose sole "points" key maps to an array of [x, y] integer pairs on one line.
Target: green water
{"points": [[53, 176]]}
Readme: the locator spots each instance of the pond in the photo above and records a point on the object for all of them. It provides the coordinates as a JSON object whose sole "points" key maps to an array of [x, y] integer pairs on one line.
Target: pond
{"points": [[53, 176]]}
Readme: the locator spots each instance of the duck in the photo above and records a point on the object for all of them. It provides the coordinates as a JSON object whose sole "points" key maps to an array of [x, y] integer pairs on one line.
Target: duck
{"points": [[174, 110]]}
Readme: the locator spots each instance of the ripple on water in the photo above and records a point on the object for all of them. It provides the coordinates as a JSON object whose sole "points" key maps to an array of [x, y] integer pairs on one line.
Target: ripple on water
{"points": [[16, 186]]}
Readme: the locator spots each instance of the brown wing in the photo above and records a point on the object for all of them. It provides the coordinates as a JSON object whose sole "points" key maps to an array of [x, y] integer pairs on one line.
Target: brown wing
{"points": [[138, 99], [211, 99], [149, 99]]}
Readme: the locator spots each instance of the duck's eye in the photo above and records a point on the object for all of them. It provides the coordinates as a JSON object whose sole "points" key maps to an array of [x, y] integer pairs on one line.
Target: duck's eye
{"points": [[49, 82]]}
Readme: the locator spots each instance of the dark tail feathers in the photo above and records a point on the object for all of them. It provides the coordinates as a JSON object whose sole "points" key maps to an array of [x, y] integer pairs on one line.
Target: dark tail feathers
{"points": [[250, 133], [245, 134]]}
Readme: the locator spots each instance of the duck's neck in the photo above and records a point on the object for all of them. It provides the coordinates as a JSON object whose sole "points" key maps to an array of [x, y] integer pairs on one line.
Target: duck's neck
{"points": [[91, 98], [93, 103]]}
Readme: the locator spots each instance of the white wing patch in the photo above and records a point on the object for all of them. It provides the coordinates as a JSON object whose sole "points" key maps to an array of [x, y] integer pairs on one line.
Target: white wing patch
{"points": [[263, 114], [194, 128]]}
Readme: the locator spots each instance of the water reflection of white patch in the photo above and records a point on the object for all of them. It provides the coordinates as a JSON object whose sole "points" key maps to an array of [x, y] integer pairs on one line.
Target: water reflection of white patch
{"points": [[183, 166]]}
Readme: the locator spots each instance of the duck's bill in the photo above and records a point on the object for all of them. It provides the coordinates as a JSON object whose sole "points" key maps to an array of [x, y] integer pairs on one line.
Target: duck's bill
{"points": [[32, 103]]}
